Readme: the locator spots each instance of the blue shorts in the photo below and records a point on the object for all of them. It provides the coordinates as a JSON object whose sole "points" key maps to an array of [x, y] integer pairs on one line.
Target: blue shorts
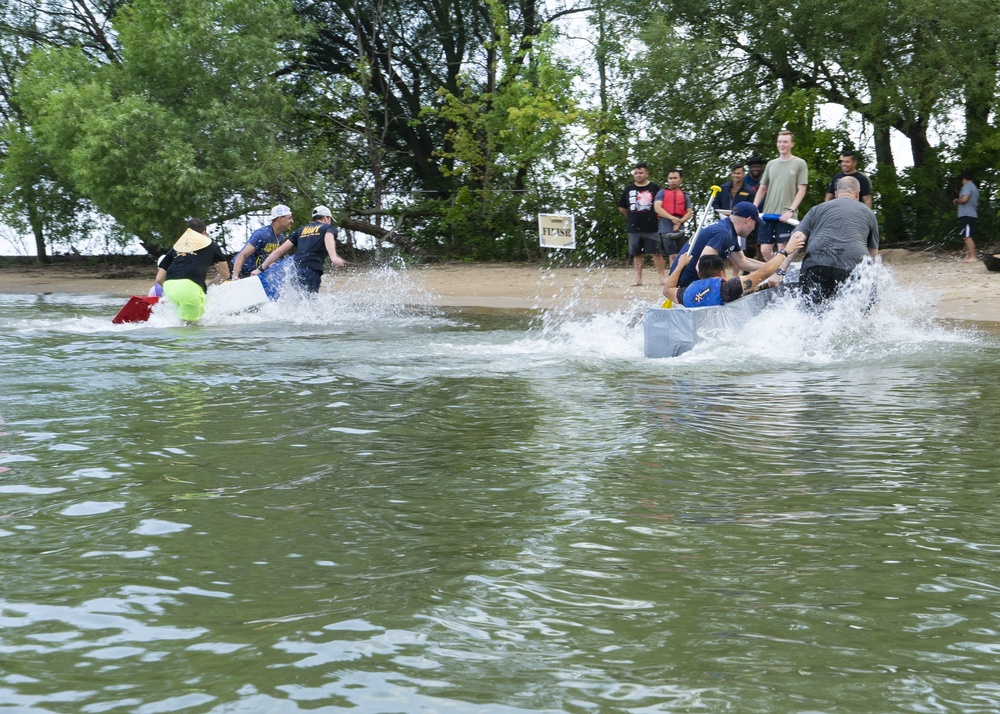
{"points": [[774, 232], [966, 226], [308, 278], [644, 244]]}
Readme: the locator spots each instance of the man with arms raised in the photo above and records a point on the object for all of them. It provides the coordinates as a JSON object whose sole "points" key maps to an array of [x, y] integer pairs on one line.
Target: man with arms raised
{"points": [[782, 188], [722, 238], [712, 288], [312, 243], [841, 234], [262, 242], [849, 167]]}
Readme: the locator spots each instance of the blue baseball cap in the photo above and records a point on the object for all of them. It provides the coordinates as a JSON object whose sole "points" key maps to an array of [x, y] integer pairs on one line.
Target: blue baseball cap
{"points": [[747, 210]]}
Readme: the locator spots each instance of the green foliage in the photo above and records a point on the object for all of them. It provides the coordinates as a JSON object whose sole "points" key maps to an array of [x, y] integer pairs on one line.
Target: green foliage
{"points": [[189, 123], [503, 133]]}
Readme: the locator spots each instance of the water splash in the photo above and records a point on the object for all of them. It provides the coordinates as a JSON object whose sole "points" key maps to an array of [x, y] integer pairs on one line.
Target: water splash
{"points": [[852, 327]]}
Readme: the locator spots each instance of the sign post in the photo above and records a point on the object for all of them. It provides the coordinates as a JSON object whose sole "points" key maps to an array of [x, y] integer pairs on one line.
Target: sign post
{"points": [[556, 231]]}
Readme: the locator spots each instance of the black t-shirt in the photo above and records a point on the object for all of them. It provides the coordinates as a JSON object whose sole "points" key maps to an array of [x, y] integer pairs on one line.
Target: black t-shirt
{"points": [[638, 201], [310, 244], [192, 266], [866, 185]]}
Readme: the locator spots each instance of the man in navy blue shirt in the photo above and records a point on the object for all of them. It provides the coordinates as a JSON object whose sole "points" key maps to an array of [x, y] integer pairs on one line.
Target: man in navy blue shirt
{"points": [[262, 242], [312, 243], [723, 239]]}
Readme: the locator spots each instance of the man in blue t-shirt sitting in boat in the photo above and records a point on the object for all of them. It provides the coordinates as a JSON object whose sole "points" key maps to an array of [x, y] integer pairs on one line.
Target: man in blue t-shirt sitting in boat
{"points": [[712, 288]]}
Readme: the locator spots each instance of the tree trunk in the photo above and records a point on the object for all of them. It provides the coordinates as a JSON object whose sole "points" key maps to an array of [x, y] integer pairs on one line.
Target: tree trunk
{"points": [[886, 185], [37, 229]]}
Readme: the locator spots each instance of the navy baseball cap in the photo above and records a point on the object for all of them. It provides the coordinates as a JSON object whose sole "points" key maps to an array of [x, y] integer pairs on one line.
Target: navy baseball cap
{"points": [[747, 210]]}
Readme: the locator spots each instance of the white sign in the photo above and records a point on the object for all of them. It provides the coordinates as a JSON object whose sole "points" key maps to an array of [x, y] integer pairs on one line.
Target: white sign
{"points": [[556, 231]]}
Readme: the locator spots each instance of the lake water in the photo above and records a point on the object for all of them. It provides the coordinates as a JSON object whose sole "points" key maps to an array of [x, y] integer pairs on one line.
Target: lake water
{"points": [[363, 503]]}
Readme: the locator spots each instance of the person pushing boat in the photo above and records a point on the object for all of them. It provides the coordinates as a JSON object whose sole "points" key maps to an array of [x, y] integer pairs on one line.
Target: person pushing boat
{"points": [[183, 270], [712, 288], [312, 243]]}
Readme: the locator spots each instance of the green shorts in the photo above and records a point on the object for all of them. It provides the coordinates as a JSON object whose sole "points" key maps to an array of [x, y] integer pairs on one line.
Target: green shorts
{"points": [[188, 296]]}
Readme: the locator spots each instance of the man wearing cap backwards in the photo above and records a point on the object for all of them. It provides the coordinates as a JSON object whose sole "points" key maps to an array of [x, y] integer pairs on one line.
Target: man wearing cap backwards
{"points": [[183, 270], [712, 288], [755, 169], [312, 243], [262, 242], [722, 238]]}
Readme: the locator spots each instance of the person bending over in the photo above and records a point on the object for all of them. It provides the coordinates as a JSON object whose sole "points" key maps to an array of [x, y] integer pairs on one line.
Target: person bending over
{"points": [[712, 288], [183, 270]]}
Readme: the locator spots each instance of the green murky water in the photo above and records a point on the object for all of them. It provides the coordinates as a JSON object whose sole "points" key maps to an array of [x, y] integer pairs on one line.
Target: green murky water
{"points": [[354, 504]]}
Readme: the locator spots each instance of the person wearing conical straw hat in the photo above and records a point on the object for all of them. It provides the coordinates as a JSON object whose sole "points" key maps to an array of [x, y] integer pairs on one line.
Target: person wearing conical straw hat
{"points": [[312, 243], [184, 268]]}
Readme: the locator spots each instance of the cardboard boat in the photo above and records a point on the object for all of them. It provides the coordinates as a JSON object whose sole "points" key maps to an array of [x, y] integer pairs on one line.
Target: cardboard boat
{"points": [[226, 299], [247, 293], [668, 332]]}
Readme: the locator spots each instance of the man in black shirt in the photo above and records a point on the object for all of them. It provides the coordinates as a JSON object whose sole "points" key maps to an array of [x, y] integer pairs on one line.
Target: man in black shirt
{"points": [[636, 204]]}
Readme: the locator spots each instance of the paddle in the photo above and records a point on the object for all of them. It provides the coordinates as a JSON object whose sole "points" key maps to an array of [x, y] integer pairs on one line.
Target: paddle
{"points": [[701, 224], [704, 216]]}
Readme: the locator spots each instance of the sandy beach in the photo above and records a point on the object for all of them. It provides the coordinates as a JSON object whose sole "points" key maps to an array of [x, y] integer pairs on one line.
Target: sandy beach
{"points": [[952, 290]]}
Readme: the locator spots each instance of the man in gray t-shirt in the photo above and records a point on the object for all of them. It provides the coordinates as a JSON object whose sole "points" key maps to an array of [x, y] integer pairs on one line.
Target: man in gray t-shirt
{"points": [[841, 234], [968, 205]]}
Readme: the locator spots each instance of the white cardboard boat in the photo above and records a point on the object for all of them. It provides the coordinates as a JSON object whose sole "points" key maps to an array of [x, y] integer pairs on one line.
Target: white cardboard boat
{"points": [[668, 332]]}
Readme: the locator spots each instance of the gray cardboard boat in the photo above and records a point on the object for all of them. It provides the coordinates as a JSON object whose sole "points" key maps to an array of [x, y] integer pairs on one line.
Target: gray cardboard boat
{"points": [[668, 332]]}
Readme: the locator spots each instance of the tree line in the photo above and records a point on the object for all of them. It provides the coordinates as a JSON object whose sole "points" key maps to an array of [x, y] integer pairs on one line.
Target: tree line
{"points": [[445, 126]]}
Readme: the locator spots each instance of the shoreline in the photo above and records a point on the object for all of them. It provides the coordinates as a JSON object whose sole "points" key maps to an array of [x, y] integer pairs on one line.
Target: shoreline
{"points": [[957, 291]]}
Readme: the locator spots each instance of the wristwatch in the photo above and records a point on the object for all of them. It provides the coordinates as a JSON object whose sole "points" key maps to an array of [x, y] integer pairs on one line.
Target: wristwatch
{"points": [[780, 272], [783, 252]]}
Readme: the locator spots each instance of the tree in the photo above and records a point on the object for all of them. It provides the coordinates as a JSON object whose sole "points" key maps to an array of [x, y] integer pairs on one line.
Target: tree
{"points": [[190, 121], [435, 73], [34, 198], [891, 62]]}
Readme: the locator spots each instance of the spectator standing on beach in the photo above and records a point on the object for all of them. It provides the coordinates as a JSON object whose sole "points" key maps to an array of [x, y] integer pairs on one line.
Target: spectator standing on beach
{"points": [[734, 190], [183, 270], [781, 192], [636, 204], [673, 206], [312, 243], [841, 234], [755, 169], [968, 205], [849, 167], [262, 242]]}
